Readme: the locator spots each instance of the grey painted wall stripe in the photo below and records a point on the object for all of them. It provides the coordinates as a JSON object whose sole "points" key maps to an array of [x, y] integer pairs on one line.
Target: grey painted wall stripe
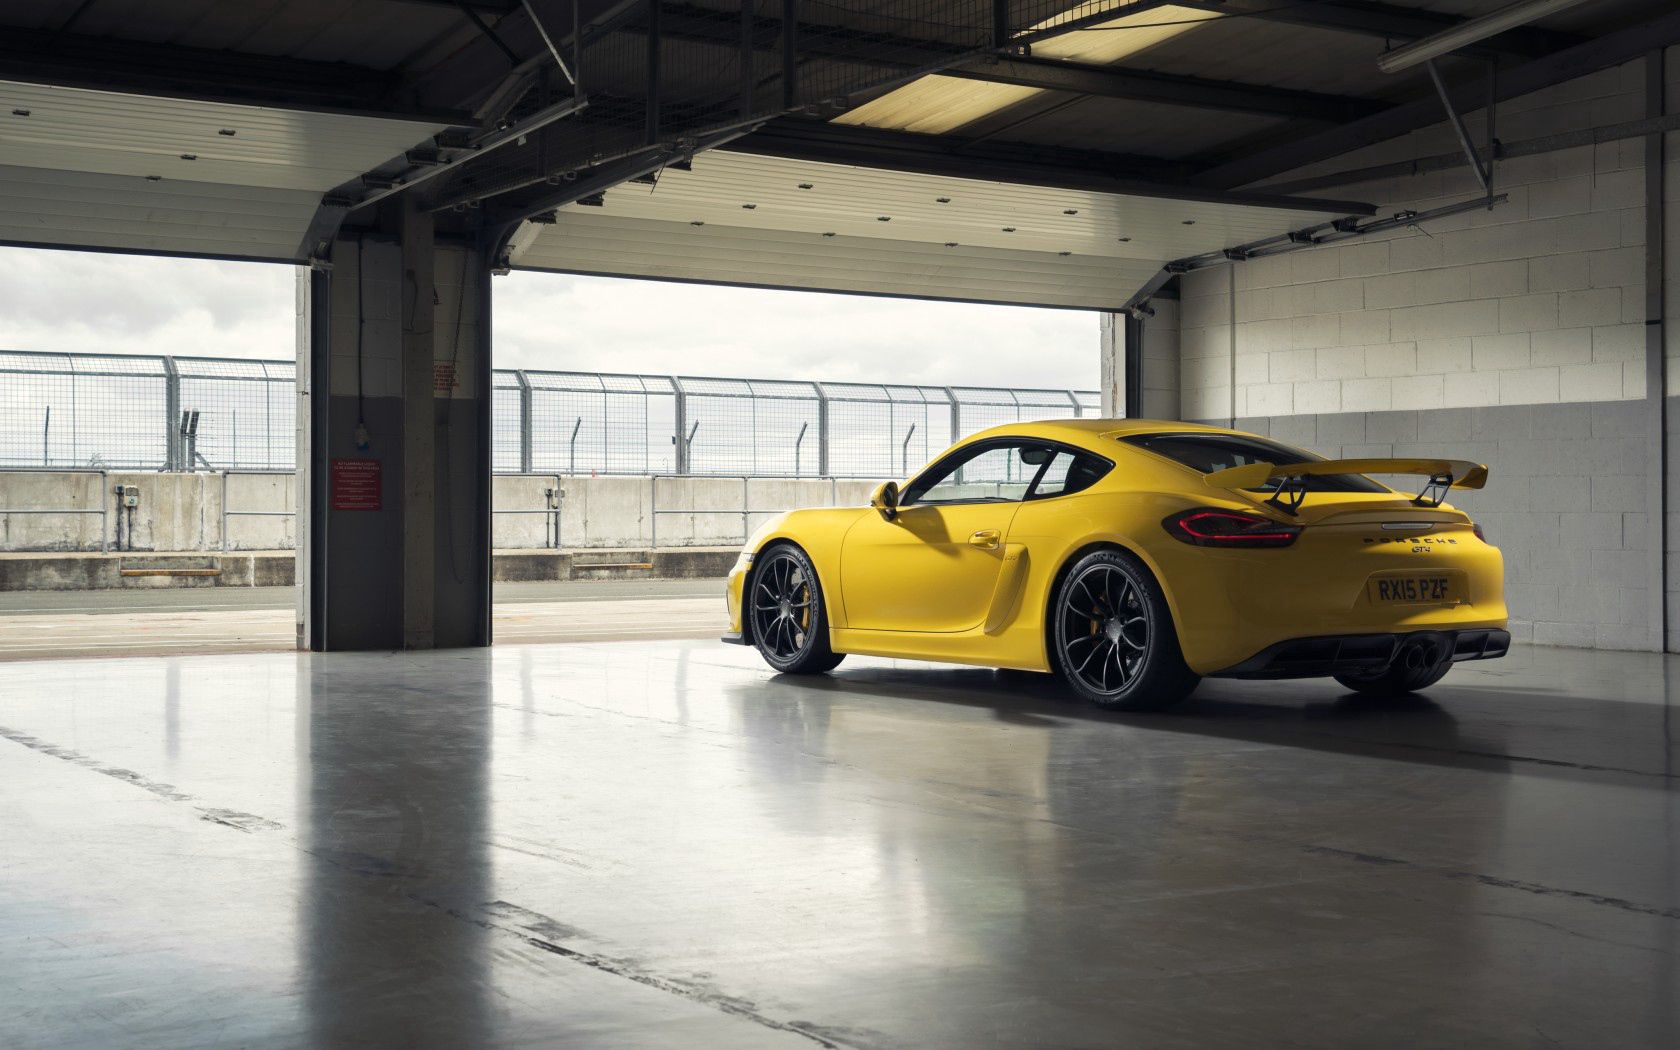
{"points": [[1656, 364], [1231, 327]]}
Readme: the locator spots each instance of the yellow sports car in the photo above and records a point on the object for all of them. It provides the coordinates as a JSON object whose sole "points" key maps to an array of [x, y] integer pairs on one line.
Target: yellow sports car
{"points": [[1133, 558]]}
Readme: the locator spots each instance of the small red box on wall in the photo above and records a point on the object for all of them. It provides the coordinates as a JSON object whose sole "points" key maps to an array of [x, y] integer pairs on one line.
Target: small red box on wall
{"points": [[355, 484]]}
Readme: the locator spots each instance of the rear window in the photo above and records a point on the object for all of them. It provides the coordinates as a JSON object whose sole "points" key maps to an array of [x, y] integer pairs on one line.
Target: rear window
{"points": [[1210, 452]]}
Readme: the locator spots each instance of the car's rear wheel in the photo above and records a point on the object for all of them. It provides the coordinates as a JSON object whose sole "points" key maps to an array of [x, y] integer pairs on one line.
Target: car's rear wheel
{"points": [[789, 626], [1113, 638], [1419, 663]]}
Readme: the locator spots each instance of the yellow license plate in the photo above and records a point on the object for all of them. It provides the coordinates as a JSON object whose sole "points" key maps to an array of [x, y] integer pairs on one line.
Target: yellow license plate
{"points": [[1419, 589]]}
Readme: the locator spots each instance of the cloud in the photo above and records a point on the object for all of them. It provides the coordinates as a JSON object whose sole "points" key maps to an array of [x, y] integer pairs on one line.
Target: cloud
{"points": [[97, 303], [90, 302], [603, 324]]}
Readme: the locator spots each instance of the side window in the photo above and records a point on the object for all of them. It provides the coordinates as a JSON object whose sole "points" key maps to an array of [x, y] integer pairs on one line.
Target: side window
{"points": [[993, 474], [1069, 473]]}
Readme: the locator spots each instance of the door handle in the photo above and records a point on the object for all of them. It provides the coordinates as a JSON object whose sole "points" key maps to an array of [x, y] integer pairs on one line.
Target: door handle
{"points": [[987, 539]]}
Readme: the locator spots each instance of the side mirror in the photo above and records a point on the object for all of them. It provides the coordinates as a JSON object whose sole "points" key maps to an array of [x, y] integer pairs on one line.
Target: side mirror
{"points": [[885, 499]]}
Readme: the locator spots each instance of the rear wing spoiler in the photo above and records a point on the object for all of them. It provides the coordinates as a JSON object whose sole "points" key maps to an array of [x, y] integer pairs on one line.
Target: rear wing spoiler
{"points": [[1443, 474]]}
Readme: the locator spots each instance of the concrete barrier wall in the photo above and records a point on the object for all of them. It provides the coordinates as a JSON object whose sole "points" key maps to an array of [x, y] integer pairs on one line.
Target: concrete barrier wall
{"points": [[77, 511], [655, 512]]}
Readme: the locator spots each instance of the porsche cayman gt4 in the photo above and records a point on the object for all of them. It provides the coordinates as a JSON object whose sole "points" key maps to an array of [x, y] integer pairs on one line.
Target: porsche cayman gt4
{"points": [[1133, 558]]}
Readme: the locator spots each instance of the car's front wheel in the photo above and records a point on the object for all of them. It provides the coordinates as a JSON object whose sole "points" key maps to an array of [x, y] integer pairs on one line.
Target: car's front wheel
{"points": [[1113, 638], [789, 626]]}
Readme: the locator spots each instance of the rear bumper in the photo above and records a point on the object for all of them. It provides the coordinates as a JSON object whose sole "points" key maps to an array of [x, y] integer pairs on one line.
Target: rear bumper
{"points": [[1341, 653]]}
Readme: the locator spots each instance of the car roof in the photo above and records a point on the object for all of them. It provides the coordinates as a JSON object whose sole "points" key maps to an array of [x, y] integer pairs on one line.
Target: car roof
{"points": [[1083, 430]]}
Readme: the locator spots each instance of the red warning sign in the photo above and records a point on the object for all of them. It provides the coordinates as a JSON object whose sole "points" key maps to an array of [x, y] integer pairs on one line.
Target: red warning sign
{"points": [[355, 484], [444, 379]]}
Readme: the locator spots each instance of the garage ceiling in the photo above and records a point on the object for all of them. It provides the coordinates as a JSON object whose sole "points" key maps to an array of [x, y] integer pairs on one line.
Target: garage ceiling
{"points": [[130, 172], [1077, 141], [775, 222]]}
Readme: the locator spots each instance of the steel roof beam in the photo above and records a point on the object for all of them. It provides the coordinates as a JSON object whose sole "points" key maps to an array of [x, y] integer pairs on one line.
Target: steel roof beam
{"points": [[1602, 52], [1389, 22], [203, 74], [1169, 89], [686, 22], [495, 7], [1020, 165]]}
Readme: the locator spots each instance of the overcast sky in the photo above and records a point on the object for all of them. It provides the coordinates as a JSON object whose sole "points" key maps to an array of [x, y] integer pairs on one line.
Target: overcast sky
{"points": [[89, 302]]}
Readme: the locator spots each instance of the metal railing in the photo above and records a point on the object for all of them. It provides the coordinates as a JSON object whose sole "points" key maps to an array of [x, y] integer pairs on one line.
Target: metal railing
{"points": [[603, 423], [106, 510], [122, 412]]}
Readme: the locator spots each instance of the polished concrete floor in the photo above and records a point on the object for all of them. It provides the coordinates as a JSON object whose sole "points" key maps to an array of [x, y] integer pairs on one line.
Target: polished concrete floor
{"points": [[664, 845], [36, 625]]}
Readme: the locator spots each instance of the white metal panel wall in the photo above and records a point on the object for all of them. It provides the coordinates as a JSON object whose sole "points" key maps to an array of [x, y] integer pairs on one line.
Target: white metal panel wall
{"points": [[122, 213], [582, 242], [76, 129]]}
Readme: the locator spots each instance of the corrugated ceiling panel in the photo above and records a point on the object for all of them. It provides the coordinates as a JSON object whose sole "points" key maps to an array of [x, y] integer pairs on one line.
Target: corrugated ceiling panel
{"points": [[119, 134], [88, 210], [841, 228], [812, 197], [589, 242]]}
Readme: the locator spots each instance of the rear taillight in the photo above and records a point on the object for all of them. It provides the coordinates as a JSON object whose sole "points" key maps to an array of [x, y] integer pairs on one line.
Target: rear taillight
{"points": [[1209, 527], [1477, 529]]}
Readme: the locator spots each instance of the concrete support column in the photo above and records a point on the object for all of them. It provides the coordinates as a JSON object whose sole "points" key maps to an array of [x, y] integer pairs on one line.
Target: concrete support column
{"points": [[419, 432], [1111, 358], [394, 444], [1139, 362]]}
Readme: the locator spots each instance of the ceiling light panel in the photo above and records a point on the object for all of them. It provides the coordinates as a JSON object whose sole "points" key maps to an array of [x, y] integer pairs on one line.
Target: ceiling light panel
{"points": [[938, 104]]}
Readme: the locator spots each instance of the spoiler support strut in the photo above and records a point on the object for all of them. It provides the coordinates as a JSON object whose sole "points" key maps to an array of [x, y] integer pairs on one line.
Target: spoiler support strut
{"points": [[1435, 491]]}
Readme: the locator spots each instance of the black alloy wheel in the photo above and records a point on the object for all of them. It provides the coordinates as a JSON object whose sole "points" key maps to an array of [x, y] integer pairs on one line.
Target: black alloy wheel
{"points": [[1114, 642], [788, 624]]}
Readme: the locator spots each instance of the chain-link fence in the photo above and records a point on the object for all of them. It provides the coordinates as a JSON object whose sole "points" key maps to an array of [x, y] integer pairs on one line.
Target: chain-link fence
{"points": [[71, 411], [129, 412]]}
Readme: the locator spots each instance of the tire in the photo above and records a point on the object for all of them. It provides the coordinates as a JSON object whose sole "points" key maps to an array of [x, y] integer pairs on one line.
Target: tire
{"points": [[1112, 636], [1419, 663], [785, 604]]}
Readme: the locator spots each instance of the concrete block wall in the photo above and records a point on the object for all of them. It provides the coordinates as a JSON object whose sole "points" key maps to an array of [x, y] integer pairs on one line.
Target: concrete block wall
{"points": [[1161, 361], [1515, 336], [1566, 503], [1537, 301]]}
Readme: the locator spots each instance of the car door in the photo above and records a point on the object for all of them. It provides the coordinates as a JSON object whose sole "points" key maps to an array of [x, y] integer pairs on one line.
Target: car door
{"points": [[934, 566]]}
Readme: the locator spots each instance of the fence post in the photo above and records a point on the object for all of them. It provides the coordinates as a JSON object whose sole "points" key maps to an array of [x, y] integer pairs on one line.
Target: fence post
{"points": [[822, 431], [956, 415], [679, 440], [171, 415], [1078, 412], [524, 421]]}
